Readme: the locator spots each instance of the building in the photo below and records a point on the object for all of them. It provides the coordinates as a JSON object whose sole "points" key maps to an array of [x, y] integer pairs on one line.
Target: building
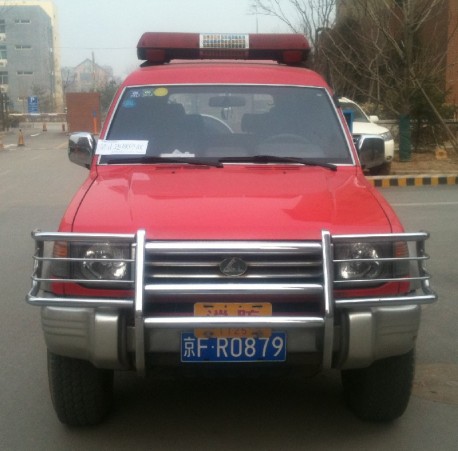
{"points": [[86, 77], [30, 55]]}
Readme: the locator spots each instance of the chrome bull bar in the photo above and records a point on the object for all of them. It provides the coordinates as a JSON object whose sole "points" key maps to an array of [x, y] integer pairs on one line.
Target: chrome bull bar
{"points": [[136, 303]]}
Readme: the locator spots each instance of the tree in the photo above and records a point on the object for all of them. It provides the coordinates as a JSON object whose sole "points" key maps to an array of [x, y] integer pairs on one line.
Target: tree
{"points": [[389, 52], [68, 79], [312, 16], [107, 93], [393, 52]]}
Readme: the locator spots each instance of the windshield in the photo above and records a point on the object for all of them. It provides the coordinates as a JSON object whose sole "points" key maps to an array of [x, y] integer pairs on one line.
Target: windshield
{"points": [[358, 113], [217, 122]]}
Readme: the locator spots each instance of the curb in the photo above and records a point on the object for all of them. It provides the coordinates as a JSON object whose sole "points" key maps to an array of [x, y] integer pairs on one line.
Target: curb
{"points": [[413, 180]]}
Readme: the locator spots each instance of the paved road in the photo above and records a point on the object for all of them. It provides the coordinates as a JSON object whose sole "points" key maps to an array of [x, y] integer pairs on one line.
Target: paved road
{"points": [[36, 183]]}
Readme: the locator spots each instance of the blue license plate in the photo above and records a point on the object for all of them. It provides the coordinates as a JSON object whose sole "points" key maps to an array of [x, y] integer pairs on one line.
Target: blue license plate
{"points": [[235, 349]]}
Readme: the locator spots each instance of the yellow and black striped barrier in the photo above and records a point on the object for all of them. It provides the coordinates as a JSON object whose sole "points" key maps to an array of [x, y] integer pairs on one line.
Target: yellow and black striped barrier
{"points": [[413, 180]]}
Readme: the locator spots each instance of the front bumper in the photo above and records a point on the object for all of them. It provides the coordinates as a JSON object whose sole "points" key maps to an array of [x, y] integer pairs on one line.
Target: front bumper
{"points": [[103, 338], [346, 332]]}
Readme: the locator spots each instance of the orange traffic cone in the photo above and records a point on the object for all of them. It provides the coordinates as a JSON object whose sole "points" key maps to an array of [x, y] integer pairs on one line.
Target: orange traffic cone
{"points": [[20, 141], [45, 128]]}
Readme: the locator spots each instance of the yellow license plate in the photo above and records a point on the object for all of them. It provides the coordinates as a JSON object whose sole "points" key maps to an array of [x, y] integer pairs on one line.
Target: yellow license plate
{"points": [[233, 309]]}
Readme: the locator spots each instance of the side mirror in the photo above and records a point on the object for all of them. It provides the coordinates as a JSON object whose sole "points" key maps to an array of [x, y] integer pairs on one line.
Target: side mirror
{"points": [[81, 149], [374, 119], [371, 151]]}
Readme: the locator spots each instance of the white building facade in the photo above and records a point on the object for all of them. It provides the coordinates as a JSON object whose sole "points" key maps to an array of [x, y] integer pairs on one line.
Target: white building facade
{"points": [[30, 55]]}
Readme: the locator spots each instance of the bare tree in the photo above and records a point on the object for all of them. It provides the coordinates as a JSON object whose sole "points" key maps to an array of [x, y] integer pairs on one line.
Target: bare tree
{"points": [[311, 16], [68, 79], [389, 52], [393, 52]]}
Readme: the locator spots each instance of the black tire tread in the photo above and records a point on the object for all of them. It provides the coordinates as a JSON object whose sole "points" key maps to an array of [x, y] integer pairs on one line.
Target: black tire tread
{"points": [[81, 394], [382, 391]]}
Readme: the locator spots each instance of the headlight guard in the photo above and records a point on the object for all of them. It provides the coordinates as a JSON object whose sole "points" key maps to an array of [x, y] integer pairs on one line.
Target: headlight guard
{"points": [[370, 263]]}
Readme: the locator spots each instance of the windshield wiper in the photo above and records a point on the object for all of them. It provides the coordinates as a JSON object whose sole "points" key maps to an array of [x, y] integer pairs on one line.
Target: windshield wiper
{"points": [[152, 160], [264, 159], [261, 159]]}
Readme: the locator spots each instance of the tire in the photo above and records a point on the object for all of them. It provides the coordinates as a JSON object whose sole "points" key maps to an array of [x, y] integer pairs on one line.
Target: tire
{"points": [[382, 391], [81, 394]]}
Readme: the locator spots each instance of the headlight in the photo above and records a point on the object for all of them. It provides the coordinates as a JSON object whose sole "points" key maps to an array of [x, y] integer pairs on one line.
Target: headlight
{"points": [[359, 261], [102, 265], [387, 136], [104, 262], [91, 261], [370, 263]]}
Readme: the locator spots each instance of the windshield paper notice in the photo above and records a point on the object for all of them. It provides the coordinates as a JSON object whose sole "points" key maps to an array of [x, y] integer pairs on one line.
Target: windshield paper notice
{"points": [[121, 147]]}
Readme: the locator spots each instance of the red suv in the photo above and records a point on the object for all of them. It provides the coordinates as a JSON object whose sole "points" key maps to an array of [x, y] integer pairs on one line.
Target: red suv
{"points": [[226, 221]]}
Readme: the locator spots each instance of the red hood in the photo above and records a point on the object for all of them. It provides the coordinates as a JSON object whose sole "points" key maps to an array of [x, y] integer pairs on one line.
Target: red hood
{"points": [[236, 202]]}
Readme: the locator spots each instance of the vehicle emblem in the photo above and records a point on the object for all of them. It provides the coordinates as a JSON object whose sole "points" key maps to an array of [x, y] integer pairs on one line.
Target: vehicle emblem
{"points": [[233, 267]]}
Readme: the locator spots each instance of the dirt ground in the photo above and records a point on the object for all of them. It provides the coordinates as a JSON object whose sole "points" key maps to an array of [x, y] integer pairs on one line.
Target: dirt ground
{"points": [[438, 161]]}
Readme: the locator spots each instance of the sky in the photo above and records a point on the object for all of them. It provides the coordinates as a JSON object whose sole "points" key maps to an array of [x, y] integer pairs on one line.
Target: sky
{"points": [[112, 28]]}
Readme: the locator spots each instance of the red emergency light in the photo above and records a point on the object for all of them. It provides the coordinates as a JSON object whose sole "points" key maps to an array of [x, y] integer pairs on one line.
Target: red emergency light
{"points": [[160, 47]]}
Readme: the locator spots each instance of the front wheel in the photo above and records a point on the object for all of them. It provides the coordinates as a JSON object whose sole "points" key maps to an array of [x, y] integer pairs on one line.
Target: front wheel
{"points": [[81, 393], [382, 391]]}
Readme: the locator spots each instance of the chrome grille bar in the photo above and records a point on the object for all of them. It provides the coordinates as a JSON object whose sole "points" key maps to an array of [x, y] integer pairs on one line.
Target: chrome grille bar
{"points": [[234, 288], [235, 321], [219, 247]]}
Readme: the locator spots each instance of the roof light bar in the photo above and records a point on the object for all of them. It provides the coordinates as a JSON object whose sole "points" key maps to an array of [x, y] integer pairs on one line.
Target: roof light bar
{"points": [[159, 48]]}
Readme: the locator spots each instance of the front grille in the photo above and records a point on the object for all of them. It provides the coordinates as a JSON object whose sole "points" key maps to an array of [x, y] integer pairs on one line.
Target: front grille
{"points": [[289, 275], [184, 263]]}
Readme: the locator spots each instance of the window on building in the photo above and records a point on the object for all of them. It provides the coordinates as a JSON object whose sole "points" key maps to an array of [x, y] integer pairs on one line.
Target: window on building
{"points": [[24, 72], [3, 54], [2, 26], [86, 77], [3, 78], [23, 47]]}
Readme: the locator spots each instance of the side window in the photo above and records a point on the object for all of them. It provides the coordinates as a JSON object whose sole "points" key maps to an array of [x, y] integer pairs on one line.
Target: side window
{"points": [[3, 78]]}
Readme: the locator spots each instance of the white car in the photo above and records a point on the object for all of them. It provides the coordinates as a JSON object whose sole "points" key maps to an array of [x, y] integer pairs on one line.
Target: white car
{"points": [[366, 125]]}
